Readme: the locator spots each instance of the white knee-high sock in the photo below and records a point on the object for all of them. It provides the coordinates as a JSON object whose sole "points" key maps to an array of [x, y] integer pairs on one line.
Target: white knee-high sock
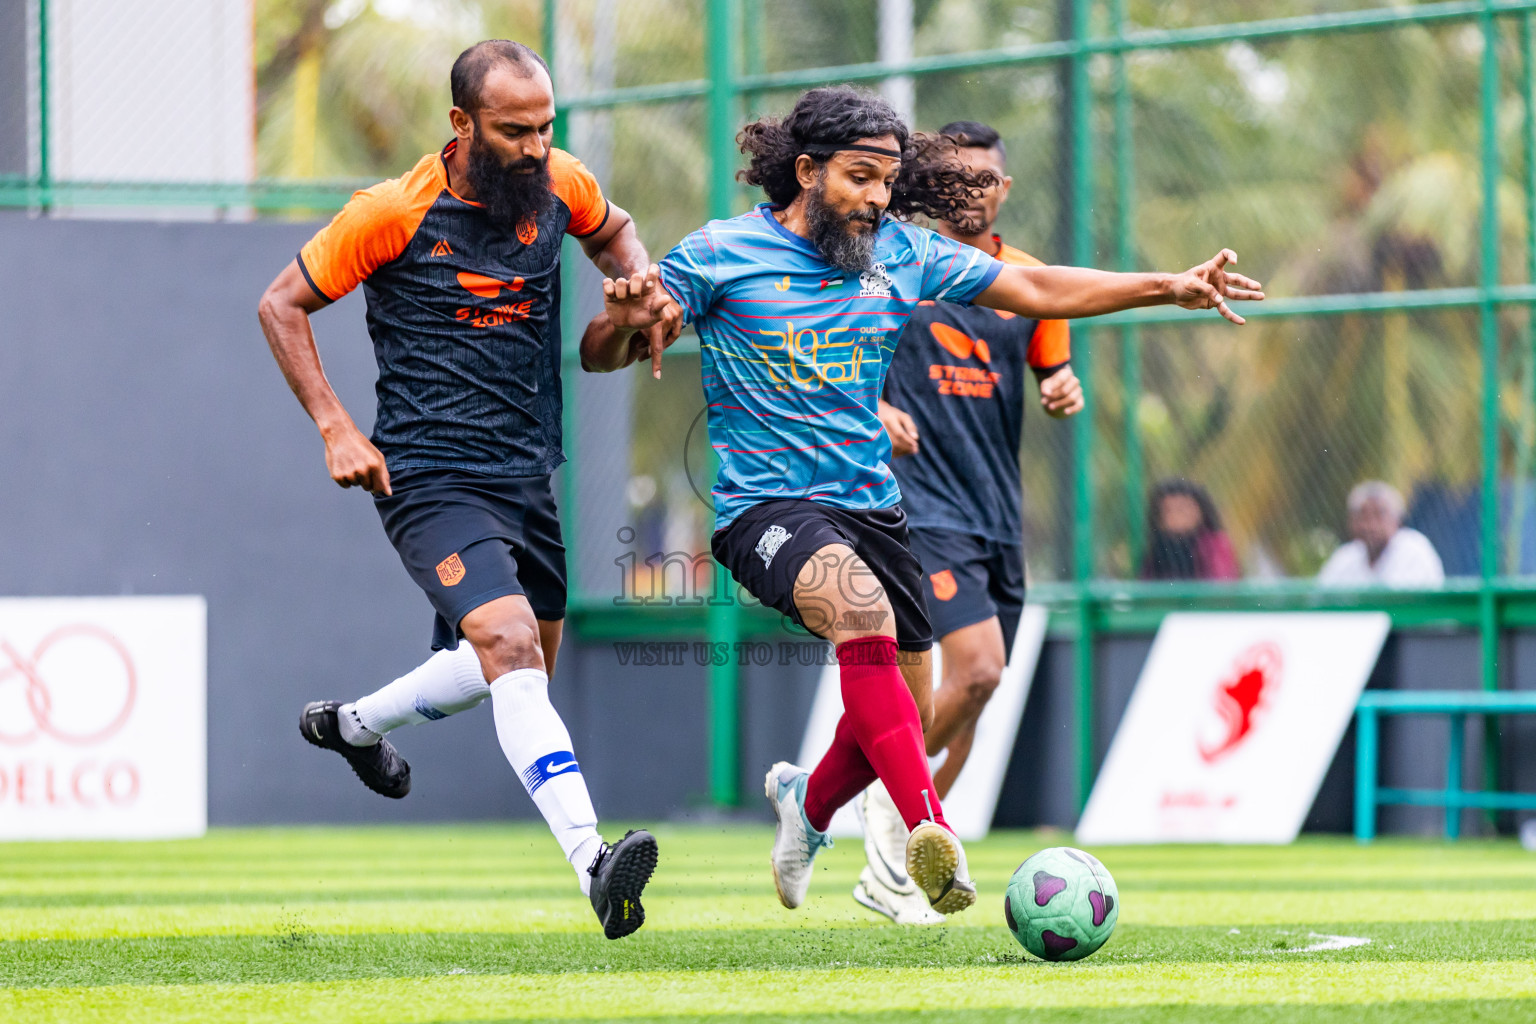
{"points": [[537, 744], [445, 684]]}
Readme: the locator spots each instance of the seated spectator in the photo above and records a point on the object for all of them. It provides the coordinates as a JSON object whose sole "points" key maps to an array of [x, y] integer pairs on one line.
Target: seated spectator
{"points": [[1185, 540], [1384, 551]]}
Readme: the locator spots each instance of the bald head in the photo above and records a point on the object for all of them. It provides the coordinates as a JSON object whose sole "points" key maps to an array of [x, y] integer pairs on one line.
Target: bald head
{"points": [[469, 73]]}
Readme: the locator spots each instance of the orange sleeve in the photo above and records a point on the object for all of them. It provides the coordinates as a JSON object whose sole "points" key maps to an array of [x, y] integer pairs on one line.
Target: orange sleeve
{"points": [[373, 228], [1051, 345], [580, 192]]}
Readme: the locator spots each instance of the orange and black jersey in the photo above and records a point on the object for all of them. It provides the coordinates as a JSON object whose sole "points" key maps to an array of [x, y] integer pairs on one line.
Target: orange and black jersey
{"points": [[464, 316], [958, 371]]}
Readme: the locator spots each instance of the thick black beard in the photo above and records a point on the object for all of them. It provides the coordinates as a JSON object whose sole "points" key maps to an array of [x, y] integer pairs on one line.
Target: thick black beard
{"points": [[833, 235], [511, 193], [970, 222]]}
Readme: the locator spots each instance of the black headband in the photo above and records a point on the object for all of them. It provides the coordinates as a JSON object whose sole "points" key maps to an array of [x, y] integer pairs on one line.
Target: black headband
{"points": [[825, 149]]}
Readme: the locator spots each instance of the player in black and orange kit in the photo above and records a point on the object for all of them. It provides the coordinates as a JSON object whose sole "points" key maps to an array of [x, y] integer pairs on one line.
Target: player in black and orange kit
{"points": [[954, 409], [459, 261]]}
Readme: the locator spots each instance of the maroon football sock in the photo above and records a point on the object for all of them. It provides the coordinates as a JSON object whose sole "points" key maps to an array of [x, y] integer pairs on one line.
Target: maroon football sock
{"points": [[840, 775], [883, 717]]}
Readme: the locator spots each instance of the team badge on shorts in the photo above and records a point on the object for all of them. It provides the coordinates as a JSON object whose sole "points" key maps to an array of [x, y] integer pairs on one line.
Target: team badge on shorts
{"points": [[528, 231], [451, 570], [769, 543], [944, 585]]}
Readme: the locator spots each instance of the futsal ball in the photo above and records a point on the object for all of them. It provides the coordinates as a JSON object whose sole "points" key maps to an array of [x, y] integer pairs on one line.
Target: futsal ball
{"points": [[1061, 904]]}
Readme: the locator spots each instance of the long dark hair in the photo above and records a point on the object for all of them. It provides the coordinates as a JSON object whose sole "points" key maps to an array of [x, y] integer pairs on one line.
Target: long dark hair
{"points": [[929, 183], [1177, 556], [1210, 519]]}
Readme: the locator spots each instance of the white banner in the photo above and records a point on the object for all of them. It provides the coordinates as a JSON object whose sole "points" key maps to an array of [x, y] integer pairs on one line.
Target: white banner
{"points": [[1232, 726], [970, 805], [103, 718]]}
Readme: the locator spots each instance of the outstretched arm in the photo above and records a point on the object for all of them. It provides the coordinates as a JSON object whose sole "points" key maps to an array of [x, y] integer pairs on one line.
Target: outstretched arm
{"points": [[1066, 293], [284, 311]]}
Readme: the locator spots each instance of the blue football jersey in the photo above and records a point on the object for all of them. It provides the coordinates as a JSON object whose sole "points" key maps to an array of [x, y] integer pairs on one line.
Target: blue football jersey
{"points": [[795, 352]]}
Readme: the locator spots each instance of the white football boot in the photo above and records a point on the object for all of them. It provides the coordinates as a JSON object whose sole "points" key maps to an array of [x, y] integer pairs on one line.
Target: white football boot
{"points": [[903, 908], [936, 862], [884, 885], [795, 843]]}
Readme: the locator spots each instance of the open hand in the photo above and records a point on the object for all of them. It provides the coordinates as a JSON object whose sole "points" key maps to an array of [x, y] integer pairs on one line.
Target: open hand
{"points": [[636, 302], [1210, 285], [639, 303], [1061, 394]]}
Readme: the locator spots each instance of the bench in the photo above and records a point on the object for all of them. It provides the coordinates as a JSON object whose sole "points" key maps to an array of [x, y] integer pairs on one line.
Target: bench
{"points": [[1458, 704]]}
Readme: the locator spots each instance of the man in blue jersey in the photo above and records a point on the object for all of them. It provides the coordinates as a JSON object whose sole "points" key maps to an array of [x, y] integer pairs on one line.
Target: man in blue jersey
{"points": [[798, 306], [954, 408]]}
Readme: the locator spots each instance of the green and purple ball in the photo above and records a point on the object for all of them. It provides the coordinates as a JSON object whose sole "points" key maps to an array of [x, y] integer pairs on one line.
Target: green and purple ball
{"points": [[1061, 904]]}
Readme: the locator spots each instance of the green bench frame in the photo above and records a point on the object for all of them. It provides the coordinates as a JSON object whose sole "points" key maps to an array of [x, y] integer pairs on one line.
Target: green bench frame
{"points": [[1458, 704]]}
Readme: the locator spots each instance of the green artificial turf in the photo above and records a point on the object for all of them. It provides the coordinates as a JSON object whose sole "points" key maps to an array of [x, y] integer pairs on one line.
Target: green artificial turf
{"points": [[486, 924]]}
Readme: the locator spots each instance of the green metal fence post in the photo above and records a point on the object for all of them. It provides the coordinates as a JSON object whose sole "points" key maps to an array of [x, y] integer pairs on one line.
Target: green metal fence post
{"points": [[1081, 176], [44, 135], [570, 254], [1488, 324], [547, 41], [1130, 334], [723, 620]]}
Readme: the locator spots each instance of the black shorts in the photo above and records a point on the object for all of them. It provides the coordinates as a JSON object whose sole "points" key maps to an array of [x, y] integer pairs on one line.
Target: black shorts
{"points": [[971, 579], [768, 544], [468, 539]]}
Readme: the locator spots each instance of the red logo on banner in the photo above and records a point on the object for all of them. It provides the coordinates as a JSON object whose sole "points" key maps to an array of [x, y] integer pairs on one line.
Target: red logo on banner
{"points": [[45, 702], [1239, 698]]}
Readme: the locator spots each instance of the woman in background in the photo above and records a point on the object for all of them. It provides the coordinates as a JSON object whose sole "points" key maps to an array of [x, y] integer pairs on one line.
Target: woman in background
{"points": [[1185, 540]]}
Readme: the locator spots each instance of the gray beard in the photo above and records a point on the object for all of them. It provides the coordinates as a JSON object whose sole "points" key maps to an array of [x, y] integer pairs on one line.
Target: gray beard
{"points": [[833, 237]]}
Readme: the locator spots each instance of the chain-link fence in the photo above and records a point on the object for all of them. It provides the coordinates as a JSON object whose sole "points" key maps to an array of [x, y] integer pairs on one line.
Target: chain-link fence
{"points": [[1339, 148]]}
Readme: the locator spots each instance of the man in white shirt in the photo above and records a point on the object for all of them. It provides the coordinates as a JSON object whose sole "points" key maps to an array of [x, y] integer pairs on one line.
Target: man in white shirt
{"points": [[1384, 551]]}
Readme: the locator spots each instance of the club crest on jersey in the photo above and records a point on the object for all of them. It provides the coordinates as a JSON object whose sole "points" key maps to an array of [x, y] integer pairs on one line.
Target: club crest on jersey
{"points": [[528, 231], [769, 543], [875, 281]]}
